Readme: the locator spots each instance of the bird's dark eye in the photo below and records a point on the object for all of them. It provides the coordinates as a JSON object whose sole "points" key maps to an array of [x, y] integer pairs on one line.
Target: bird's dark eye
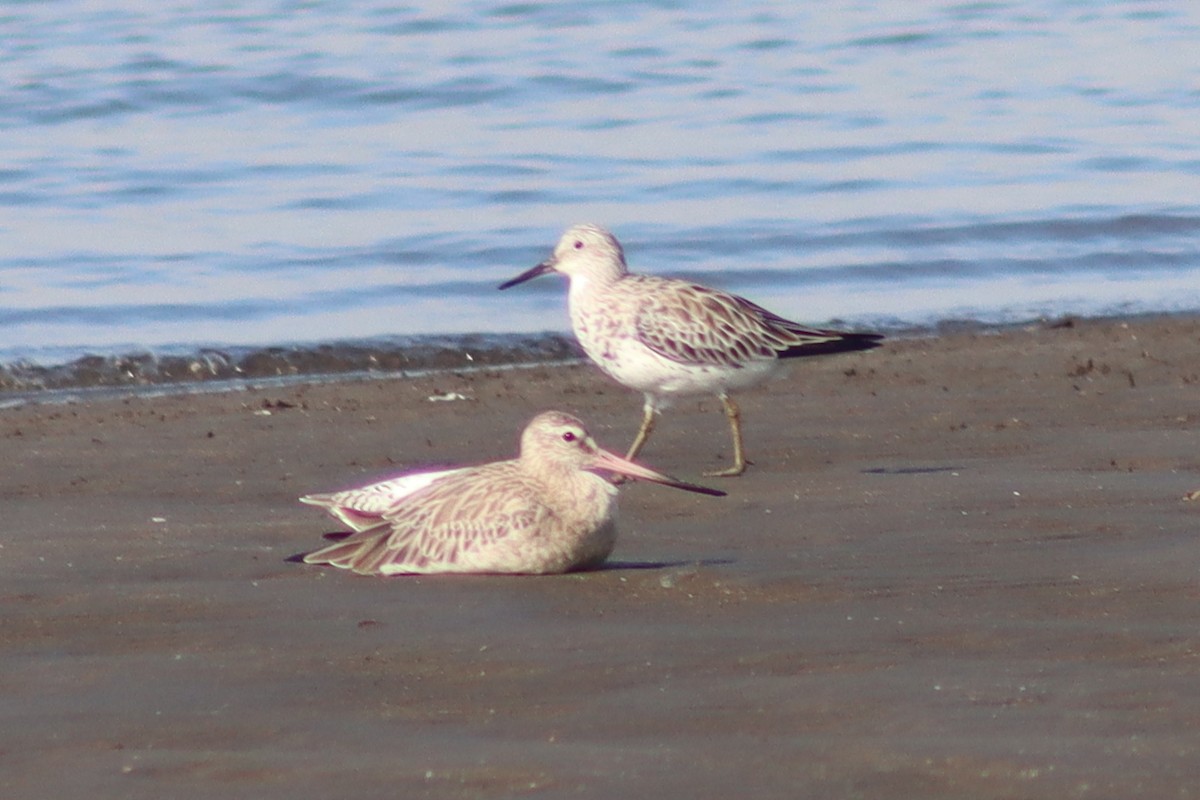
{"points": [[578, 245], [568, 436]]}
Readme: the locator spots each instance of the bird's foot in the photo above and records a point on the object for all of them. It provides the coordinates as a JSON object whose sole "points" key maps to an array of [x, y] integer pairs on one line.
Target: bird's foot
{"points": [[728, 472]]}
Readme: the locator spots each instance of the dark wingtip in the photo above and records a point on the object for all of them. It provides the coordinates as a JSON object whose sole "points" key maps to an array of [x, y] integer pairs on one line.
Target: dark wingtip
{"points": [[848, 343]]}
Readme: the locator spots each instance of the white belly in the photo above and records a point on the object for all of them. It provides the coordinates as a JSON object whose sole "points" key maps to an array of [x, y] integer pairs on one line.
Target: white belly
{"points": [[633, 364]]}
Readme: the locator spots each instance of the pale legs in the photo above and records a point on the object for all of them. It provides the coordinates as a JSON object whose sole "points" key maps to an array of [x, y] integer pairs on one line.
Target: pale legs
{"points": [[732, 413]]}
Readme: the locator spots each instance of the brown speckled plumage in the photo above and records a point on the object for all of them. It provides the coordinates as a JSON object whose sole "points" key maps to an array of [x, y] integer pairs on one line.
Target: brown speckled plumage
{"points": [[545, 511], [669, 338]]}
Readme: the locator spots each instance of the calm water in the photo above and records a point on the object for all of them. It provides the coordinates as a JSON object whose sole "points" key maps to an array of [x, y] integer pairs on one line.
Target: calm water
{"points": [[179, 175]]}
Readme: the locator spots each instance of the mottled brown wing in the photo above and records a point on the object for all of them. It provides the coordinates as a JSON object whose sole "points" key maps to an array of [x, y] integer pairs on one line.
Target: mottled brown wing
{"points": [[457, 516], [693, 324], [362, 508]]}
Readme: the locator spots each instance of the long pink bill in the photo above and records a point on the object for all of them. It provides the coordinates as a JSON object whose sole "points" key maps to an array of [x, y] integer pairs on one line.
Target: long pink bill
{"points": [[614, 463]]}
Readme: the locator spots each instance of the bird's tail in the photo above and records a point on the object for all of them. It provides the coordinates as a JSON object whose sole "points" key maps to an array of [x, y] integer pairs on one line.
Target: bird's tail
{"points": [[826, 342]]}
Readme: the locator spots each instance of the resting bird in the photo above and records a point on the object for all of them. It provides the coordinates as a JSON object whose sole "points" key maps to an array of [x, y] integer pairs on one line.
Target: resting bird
{"points": [[549, 510]]}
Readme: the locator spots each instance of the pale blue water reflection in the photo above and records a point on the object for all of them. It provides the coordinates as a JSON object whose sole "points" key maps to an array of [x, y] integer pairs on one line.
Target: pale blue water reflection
{"points": [[263, 173]]}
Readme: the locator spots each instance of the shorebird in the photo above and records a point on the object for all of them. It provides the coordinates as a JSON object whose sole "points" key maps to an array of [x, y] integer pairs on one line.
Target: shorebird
{"points": [[546, 511], [668, 338]]}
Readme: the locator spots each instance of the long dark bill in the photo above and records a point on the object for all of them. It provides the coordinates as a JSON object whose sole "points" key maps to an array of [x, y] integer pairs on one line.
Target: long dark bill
{"points": [[529, 274]]}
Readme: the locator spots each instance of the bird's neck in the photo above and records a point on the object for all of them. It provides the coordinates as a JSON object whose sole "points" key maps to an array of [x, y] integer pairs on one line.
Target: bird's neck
{"points": [[586, 489], [585, 284]]}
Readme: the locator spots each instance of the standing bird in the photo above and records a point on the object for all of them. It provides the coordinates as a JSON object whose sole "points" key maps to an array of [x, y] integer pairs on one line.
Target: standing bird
{"points": [[546, 511], [667, 338]]}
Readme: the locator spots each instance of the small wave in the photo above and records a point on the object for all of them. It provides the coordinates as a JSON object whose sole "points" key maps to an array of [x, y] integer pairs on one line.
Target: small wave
{"points": [[397, 357]]}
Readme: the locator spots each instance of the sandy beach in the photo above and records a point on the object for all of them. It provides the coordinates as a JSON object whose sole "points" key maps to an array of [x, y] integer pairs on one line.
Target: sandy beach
{"points": [[960, 566]]}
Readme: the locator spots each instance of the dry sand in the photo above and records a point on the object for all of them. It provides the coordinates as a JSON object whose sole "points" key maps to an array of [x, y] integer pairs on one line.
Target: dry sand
{"points": [[960, 567]]}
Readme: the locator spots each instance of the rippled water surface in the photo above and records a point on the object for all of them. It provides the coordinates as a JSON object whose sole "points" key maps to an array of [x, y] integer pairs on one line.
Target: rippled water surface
{"points": [[178, 176]]}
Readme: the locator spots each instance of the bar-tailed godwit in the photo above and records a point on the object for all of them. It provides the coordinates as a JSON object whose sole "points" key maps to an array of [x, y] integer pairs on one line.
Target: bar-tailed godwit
{"points": [[669, 338], [546, 511]]}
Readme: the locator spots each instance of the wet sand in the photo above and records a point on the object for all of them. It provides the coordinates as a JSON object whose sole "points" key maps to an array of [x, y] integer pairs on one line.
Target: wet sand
{"points": [[959, 567]]}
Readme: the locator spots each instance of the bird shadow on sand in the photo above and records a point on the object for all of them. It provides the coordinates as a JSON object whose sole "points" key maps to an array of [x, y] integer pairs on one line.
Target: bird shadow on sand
{"points": [[607, 566], [610, 566], [908, 470], [332, 536]]}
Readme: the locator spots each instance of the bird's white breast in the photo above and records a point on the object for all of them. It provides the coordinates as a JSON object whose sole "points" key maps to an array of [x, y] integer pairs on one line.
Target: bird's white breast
{"points": [[605, 327]]}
